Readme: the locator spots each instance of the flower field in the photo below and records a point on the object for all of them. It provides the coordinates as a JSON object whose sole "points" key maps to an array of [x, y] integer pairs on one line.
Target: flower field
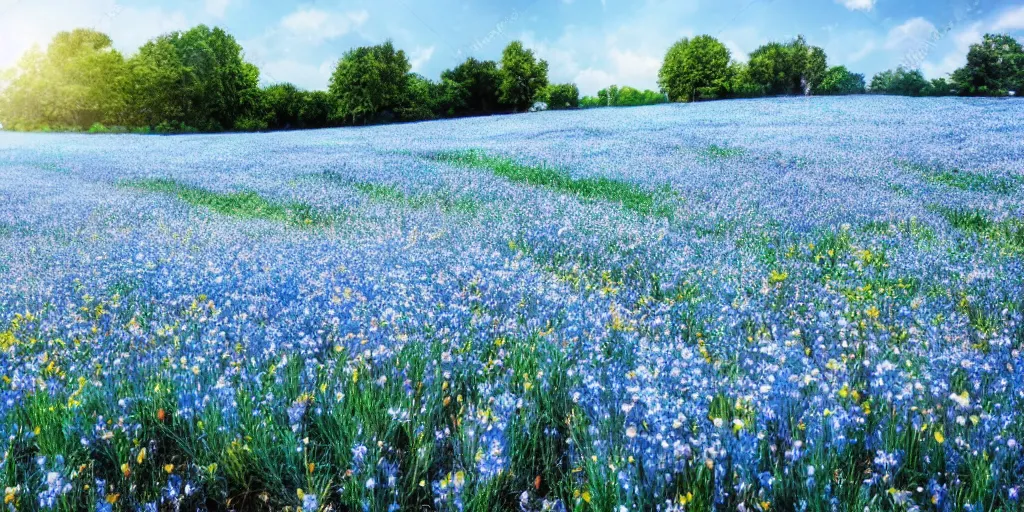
{"points": [[778, 304]]}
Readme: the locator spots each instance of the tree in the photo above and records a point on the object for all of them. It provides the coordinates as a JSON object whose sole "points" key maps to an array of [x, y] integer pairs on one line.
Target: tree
{"points": [[197, 79], [317, 109], [522, 76], [562, 96], [900, 81], [771, 68], [284, 103], [938, 87], [695, 68], [77, 82], [791, 68], [994, 67], [839, 80], [370, 81], [480, 81], [815, 69], [740, 84]]}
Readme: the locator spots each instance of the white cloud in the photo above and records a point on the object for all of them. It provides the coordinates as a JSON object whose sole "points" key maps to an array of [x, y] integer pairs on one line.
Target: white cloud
{"points": [[1009, 20], [1012, 19], [307, 76], [420, 56], [858, 5], [629, 53], [741, 41], [911, 34], [318, 25], [217, 8], [956, 58], [866, 49]]}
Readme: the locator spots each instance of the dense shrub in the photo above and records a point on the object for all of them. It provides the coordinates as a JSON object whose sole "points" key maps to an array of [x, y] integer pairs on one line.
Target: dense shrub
{"points": [[561, 96]]}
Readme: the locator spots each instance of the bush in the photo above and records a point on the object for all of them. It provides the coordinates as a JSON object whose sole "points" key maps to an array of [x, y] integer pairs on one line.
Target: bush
{"points": [[250, 124], [98, 128], [839, 80], [900, 81], [168, 127], [561, 96]]}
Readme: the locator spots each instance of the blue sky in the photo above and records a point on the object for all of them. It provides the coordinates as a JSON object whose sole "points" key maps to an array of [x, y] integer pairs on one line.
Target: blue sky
{"points": [[591, 42]]}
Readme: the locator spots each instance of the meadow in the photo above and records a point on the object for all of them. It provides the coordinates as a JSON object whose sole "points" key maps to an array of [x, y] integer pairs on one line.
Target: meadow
{"points": [[810, 304]]}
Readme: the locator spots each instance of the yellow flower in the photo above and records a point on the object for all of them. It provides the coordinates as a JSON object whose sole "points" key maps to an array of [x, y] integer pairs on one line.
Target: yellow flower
{"points": [[586, 496], [11, 493], [112, 498], [776, 277], [169, 468], [142, 456], [939, 438]]}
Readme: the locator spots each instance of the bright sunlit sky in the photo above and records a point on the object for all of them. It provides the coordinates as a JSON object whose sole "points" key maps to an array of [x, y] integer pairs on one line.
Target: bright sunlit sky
{"points": [[591, 42]]}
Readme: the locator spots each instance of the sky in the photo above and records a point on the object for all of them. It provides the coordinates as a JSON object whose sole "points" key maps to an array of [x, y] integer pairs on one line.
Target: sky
{"points": [[593, 43]]}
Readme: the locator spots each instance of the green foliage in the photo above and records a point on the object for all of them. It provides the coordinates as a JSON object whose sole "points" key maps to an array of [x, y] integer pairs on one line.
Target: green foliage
{"points": [[994, 67], [284, 104], [626, 96], [900, 81], [790, 68], [695, 69], [629, 195], [938, 87], [246, 204], [965, 180], [741, 85], [561, 96], [197, 78], [815, 69], [1007, 234], [523, 76], [839, 80], [770, 67], [421, 101], [76, 83], [316, 111], [478, 85], [370, 83]]}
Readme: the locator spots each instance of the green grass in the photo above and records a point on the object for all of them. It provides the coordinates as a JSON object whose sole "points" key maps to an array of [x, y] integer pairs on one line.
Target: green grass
{"points": [[900, 190], [385, 193], [1008, 233], [244, 204], [964, 180], [716, 152], [380, 192], [629, 195]]}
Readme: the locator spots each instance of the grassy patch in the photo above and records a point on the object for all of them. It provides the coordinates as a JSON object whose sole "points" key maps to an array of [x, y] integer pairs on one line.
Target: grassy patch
{"points": [[245, 204], [1008, 233], [900, 190], [629, 195], [716, 152], [384, 193], [964, 180], [380, 192]]}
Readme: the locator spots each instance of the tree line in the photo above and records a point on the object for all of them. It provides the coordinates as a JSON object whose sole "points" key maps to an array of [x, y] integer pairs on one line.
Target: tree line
{"points": [[198, 80]]}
